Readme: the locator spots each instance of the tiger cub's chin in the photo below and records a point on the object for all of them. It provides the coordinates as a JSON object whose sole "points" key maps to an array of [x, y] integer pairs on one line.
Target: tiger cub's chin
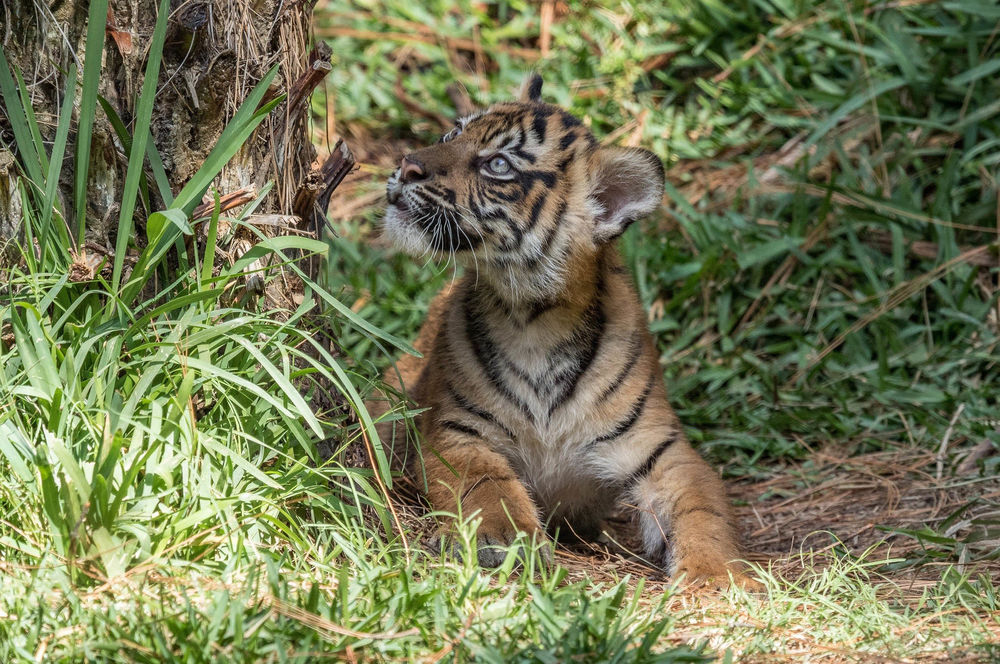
{"points": [[544, 397]]}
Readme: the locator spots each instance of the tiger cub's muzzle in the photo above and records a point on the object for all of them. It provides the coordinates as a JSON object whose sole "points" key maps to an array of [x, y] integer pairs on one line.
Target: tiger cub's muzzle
{"points": [[422, 213], [410, 170]]}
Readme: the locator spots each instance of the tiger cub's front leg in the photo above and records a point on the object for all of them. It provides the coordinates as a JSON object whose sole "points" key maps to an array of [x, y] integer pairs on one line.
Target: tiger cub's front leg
{"points": [[685, 516], [465, 477]]}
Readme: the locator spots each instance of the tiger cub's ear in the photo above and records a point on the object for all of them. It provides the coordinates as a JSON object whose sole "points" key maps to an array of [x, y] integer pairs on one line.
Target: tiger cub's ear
{"points": [[627, 184], [531, 88]]}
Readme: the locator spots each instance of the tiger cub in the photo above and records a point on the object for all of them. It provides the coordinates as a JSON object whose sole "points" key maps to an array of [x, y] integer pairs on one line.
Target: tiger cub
{"points": [[543, 392]]}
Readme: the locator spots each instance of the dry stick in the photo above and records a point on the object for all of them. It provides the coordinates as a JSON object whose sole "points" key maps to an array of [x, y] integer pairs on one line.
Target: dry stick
{"points": [[446, 650], [546, 15], [749, 53], [863, 201], [322, 624], [882, 240], [786, 30], [657, 61], [319, 67], [284, 124], [944, 441], [982, 450], [313, 196], [385, 492], [226, 202], [414, 106]]}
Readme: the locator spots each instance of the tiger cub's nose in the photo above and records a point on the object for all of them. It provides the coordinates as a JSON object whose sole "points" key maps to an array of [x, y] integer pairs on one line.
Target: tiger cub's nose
{"points": [[411, 170]]}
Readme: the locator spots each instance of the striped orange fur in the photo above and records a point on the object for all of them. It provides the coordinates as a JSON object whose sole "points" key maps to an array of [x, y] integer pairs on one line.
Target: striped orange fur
{"points": [[544, 394]]}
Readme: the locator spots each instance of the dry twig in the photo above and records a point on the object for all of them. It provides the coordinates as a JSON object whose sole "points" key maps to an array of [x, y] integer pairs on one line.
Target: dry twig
{"points": [[943, 449]]}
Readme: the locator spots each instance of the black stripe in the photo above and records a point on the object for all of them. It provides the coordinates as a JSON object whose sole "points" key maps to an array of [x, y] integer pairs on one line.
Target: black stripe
{"points": [[516, 193], [461, 428], [648, 464], [586, 339], [473, 205], [560, 213], [567, 140], [422, 197], [522, 136], [488, 139], [513, 242], [687, 463], [487, 356], [539, 125], [538, 386], [548, 178], [635, 350], [633, 416], [539, 308], [569, 121], [496, 301], [447, 194], [527, 156], [480, 194], [532, 262], [536, 211], [481, 413], [535, 88]]}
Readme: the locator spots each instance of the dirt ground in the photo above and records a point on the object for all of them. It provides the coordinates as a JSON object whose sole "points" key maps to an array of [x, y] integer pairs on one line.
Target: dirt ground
{"points": [[851, 505]]}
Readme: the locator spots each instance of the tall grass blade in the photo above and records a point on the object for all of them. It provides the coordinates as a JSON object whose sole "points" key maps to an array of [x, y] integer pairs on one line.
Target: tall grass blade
{"points": [[137, 154], [52, 177], [19, 122], [233, 137], [96, 28], [278, 245], [36, 134], [155, 162], [159, 173], [210, 240]]}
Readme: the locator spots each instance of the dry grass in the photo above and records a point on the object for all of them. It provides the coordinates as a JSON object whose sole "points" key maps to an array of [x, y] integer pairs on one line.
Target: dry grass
{"points": [[822, 529]]}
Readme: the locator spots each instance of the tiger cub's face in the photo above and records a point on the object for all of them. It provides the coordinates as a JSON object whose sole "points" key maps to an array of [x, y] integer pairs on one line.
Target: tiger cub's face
{"points": [[521, 191]]}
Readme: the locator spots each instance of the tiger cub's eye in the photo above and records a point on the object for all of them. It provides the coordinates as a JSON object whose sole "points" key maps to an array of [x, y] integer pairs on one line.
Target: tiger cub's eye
{"points": [[499, 165]]}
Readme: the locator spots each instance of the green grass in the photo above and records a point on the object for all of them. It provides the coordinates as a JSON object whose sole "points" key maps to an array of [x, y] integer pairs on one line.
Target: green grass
{"points": [[162, 497]]}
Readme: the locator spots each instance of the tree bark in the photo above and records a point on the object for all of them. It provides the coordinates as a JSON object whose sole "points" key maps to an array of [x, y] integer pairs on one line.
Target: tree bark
{"points": [[215, 52]]}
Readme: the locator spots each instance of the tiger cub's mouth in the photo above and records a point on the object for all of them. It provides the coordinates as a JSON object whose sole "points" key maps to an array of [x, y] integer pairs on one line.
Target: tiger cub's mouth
{"points": [[394, 190], [416, 226]]}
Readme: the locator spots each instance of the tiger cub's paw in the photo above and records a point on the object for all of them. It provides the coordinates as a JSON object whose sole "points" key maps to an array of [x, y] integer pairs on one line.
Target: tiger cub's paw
{"points": [[493, 541], [492, 550], [715, 573]]}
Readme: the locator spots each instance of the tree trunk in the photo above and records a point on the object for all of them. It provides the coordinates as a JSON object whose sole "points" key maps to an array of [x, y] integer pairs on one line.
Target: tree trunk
{"points": [[215, 52]]}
